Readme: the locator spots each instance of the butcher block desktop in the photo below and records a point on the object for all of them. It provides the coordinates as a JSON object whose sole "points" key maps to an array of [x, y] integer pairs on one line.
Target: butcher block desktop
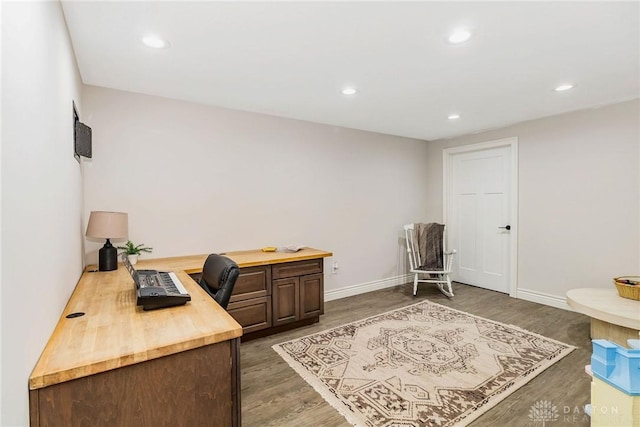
{"points": [[109, 363]]}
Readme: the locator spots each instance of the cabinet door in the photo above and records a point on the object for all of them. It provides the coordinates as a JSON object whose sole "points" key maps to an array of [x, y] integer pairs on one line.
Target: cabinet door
{"points": [[311, 296], [286, 294]]}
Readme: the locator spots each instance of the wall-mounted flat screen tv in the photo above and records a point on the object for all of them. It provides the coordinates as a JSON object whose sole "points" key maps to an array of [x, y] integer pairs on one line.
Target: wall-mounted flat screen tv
{"points": [[81, 136], [82, 139]]}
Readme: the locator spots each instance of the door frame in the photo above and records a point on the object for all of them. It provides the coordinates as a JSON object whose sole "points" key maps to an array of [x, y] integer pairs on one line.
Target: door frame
{"points": [[447, 170]]}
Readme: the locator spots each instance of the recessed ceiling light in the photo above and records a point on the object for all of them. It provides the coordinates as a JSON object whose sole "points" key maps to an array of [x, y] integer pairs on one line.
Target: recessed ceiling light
{"points": [[564, 87], [453, 116], [459, 36], [349, 91], [155, 42]]}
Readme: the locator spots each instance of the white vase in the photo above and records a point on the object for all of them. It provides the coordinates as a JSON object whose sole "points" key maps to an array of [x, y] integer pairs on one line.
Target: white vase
{"points": [[133, 259]]}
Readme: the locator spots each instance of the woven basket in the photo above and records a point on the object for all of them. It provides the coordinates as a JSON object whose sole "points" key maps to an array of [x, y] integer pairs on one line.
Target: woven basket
{"points": [[628, 291]]}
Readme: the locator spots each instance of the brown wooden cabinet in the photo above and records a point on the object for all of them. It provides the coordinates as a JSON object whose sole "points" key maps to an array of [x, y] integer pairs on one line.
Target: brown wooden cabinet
{"points": [[268, 297], [250, 303], [189, 388]]}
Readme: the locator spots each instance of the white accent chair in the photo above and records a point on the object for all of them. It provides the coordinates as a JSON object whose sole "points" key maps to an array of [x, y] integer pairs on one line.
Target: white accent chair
{"points": [[439, 277]]}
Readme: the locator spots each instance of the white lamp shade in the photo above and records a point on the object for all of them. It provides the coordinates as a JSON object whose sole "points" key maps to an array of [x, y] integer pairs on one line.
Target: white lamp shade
{"points": [[108, 225]]}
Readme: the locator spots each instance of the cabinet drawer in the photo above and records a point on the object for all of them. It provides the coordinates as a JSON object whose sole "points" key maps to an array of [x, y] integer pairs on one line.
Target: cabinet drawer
{"points": [[297, 268], [253, 282], [253, 314]]}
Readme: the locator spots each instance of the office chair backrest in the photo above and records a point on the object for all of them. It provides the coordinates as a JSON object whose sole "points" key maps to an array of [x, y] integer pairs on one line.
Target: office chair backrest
{"points": [[219, 275]]}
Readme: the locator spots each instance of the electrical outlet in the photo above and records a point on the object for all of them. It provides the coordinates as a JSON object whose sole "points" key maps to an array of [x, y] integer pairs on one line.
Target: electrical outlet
{"points": [[335, 267]]}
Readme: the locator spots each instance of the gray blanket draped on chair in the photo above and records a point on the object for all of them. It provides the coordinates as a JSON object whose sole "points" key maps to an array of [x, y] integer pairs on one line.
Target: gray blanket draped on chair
{"points": [[429, 238]]}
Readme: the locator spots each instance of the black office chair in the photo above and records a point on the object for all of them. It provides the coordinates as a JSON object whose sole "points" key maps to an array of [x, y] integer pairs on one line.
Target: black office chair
{"points": [[219, 275]]}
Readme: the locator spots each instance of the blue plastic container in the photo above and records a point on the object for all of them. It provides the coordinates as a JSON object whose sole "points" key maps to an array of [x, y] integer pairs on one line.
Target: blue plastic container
{"points": [[617, 366]]}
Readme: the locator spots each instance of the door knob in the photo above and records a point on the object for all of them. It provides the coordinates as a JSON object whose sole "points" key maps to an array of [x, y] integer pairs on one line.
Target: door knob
{"points": [[506, 227]]}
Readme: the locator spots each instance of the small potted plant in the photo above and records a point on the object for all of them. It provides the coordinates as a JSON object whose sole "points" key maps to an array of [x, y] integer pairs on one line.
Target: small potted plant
{"points": [[132, 250]]}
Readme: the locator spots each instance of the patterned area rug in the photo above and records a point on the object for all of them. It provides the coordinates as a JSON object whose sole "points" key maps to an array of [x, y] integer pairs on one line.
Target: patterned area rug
{"points": [[422, 365]]}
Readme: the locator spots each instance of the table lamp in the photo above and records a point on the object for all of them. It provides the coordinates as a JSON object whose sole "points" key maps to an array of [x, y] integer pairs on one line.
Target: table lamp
{"points": [[108, 225]]}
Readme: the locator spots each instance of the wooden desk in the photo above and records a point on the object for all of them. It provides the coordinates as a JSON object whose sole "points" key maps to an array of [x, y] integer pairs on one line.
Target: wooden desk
{"points": [[612, 317], [118, 365], [274, 292]]}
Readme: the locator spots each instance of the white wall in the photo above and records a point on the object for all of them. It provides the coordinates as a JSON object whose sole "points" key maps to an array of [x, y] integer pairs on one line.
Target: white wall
{"points": [[199, 179], [579, 198], [41, 191]]}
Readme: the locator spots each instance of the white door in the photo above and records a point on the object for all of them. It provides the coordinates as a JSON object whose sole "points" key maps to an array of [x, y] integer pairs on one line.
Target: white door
{"points": [[480, 219]]}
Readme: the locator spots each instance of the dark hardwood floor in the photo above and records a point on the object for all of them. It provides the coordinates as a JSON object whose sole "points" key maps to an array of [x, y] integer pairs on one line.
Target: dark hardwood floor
{"points": [[274, 395]]}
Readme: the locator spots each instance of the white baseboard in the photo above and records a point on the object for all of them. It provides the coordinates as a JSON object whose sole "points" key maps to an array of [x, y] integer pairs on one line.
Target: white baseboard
{"points": [[525, 294], [543, 298], [367, 287]]}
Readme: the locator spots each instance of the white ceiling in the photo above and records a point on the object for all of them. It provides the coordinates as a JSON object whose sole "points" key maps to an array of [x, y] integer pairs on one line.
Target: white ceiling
{"points": [[291, 59]]}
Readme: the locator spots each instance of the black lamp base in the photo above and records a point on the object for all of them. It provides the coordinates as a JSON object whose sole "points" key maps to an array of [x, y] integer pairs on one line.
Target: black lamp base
{"points": [[108, 257]]}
